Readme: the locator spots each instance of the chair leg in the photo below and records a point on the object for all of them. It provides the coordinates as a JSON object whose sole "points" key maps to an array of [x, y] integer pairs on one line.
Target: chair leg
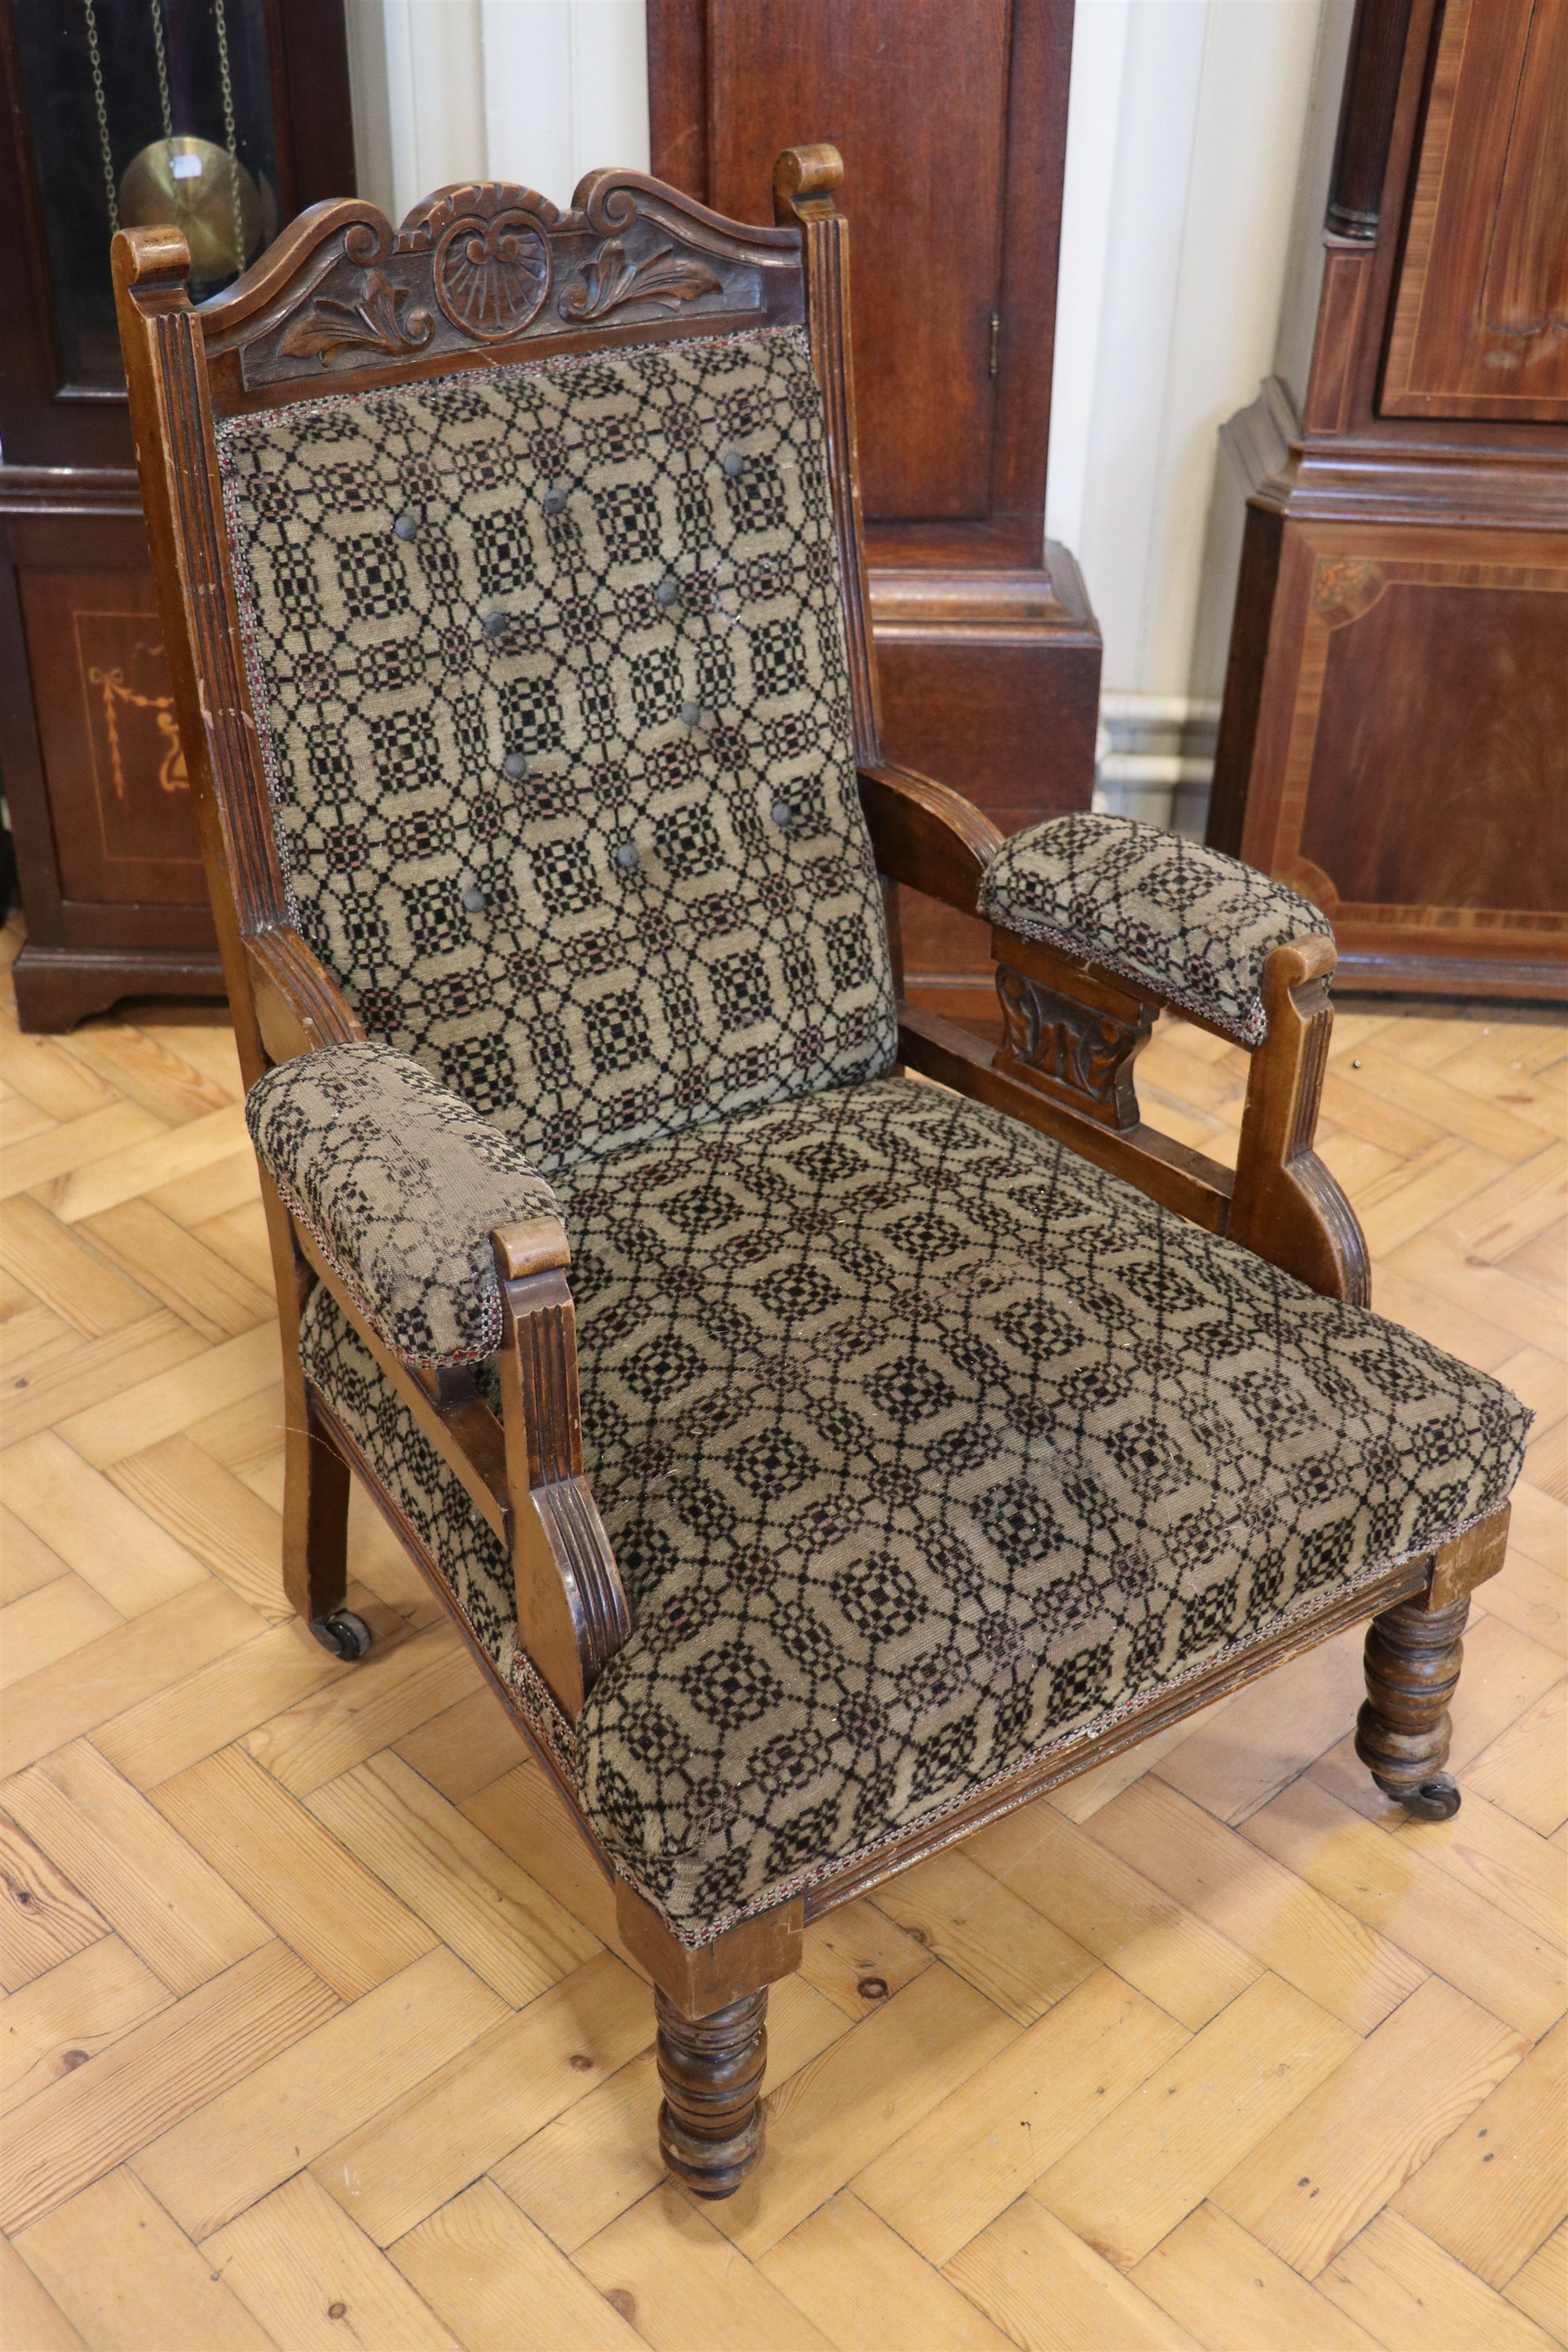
{"points": [[710, 2125], [1413, 1660], [315, 1533]]}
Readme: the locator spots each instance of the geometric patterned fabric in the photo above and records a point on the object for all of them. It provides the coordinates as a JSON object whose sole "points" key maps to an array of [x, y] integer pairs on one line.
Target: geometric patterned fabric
{"points": [[549, 667], [1191, 924], [923, 1445], [400, 1184]]}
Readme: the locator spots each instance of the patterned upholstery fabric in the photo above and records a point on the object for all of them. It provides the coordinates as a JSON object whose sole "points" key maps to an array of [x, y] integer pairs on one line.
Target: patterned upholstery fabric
{"points": [[548, 661], [400, 1182], [1164, 912], [924, 1444]]}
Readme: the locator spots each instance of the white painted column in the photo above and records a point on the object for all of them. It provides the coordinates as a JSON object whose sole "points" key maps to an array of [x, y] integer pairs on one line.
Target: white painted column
{"points": [[534, 90]]}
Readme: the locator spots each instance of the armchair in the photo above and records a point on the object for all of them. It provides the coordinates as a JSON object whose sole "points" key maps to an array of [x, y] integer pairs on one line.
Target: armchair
{"points": [[819, 1461]]}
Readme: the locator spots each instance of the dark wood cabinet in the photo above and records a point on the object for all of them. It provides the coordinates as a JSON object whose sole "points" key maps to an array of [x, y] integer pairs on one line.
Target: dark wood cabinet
{"points": [[952, 121], [1395, 734], [237, 111]]}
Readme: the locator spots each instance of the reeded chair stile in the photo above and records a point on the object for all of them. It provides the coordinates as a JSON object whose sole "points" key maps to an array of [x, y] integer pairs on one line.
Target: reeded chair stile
{"points": [[819, 1461]]}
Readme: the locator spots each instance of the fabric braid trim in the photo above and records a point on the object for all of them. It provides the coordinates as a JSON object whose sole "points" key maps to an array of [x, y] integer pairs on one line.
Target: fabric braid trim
{"points": [[1144, 976]]}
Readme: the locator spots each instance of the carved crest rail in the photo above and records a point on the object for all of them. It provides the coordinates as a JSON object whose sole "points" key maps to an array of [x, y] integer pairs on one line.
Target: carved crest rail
{"points": [[477, 271]]}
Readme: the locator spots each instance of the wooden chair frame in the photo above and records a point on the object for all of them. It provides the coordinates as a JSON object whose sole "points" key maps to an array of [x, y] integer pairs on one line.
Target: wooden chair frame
{"points": [[342, 303]]}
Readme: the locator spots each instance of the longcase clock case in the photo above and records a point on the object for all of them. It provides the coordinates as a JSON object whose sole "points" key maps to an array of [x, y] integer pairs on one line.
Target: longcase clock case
{"points": [[228, 116], [1394, 735]]}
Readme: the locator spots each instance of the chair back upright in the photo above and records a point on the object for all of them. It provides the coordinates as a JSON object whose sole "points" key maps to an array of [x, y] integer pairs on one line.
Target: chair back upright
{"points": [[540, 672]]}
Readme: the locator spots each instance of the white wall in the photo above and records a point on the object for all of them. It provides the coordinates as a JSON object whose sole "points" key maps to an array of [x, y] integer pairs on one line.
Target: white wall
{"points": [[535, 90], [1186, 145], [1185, 142]]}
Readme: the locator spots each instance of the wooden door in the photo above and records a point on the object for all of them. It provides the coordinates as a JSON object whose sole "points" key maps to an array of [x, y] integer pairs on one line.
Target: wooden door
{"points": [[928, 202]]}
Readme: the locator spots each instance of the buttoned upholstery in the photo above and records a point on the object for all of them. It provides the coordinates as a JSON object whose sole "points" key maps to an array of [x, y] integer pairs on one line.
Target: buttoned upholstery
{"points": [[1187, 922], [549, 670], [924, 1445]]}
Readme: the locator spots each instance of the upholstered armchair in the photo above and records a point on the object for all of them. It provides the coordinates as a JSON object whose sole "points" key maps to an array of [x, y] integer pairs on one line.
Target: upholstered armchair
{"points": [[819, 1460]]}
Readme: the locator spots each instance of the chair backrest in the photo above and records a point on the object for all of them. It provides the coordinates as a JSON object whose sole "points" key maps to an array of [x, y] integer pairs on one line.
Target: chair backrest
{"points": [[515, 597]]}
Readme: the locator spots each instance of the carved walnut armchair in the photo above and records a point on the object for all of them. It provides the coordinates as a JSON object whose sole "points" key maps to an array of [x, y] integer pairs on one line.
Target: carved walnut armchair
{"points": [[819, 1461]]}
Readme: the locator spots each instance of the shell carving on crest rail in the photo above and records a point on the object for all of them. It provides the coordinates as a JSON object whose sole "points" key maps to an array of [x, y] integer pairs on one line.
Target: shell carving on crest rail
{"points": [[480, 267], [491, 258]]}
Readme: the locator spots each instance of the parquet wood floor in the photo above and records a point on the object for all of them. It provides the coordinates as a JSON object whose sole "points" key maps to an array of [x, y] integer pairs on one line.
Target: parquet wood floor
{"points": [[315, 2033]]}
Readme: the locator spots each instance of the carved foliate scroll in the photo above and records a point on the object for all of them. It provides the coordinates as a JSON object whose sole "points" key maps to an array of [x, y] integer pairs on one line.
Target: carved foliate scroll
{"points": [[1077, 1053], [494, 265]]}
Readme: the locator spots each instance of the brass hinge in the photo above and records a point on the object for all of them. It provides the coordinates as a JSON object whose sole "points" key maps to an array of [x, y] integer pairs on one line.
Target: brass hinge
{"points": [[995, 341]]}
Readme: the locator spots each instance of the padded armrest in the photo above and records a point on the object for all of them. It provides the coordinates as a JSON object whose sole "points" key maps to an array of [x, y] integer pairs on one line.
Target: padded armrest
{"points": [[399, 1183], [1191, 926]]}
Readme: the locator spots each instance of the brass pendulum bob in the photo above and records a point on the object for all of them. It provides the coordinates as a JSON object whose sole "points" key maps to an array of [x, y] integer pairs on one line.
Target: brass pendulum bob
{"points": [[206, 194]]}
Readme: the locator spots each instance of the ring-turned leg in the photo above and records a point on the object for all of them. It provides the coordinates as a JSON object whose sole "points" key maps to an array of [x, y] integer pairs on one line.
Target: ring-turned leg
{"points": [[1413, 1660], [710, 2125]]}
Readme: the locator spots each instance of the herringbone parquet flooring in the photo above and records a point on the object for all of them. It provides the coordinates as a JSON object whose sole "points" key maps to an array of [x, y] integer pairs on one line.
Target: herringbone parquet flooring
{"points": [[315, 2033]]}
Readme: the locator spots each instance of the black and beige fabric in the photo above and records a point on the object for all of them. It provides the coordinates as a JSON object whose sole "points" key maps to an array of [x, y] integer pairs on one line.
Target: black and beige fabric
{"points": [[1166, 914], [548, 662], [401, 1185], [924, 1445]]}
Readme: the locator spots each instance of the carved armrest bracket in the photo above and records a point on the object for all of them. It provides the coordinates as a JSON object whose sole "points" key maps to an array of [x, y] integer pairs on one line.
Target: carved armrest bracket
{"points": [[299, 1005], [572, 1610], [1286, 1205], [1068, 1031]]}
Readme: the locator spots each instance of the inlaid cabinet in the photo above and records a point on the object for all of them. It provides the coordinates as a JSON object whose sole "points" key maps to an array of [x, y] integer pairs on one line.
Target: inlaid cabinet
{"points": [[1395, 733]]}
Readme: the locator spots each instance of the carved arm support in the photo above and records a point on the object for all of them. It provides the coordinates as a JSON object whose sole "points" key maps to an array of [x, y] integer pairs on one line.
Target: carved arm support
{"points": [[572, 1610], [1098, 922], [446, 1249], [1286, 1205], [926, 835]]}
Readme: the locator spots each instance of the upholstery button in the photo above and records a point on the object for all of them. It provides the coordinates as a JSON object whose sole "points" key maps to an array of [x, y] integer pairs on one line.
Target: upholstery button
{"points": [[692, 714], [514, 765], [495, 623], [473, 900], [734, 463], [626, 856], [668, 593], [555, 501], [782, 814], [407, 527]]}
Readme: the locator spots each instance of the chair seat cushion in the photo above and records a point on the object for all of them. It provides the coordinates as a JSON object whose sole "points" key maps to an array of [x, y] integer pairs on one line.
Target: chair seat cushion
{"points": [[924, 1445]]}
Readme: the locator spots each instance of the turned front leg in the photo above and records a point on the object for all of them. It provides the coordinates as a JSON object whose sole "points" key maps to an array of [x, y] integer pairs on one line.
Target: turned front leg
{"points": [[710, 2125], [1413, 1660]]}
